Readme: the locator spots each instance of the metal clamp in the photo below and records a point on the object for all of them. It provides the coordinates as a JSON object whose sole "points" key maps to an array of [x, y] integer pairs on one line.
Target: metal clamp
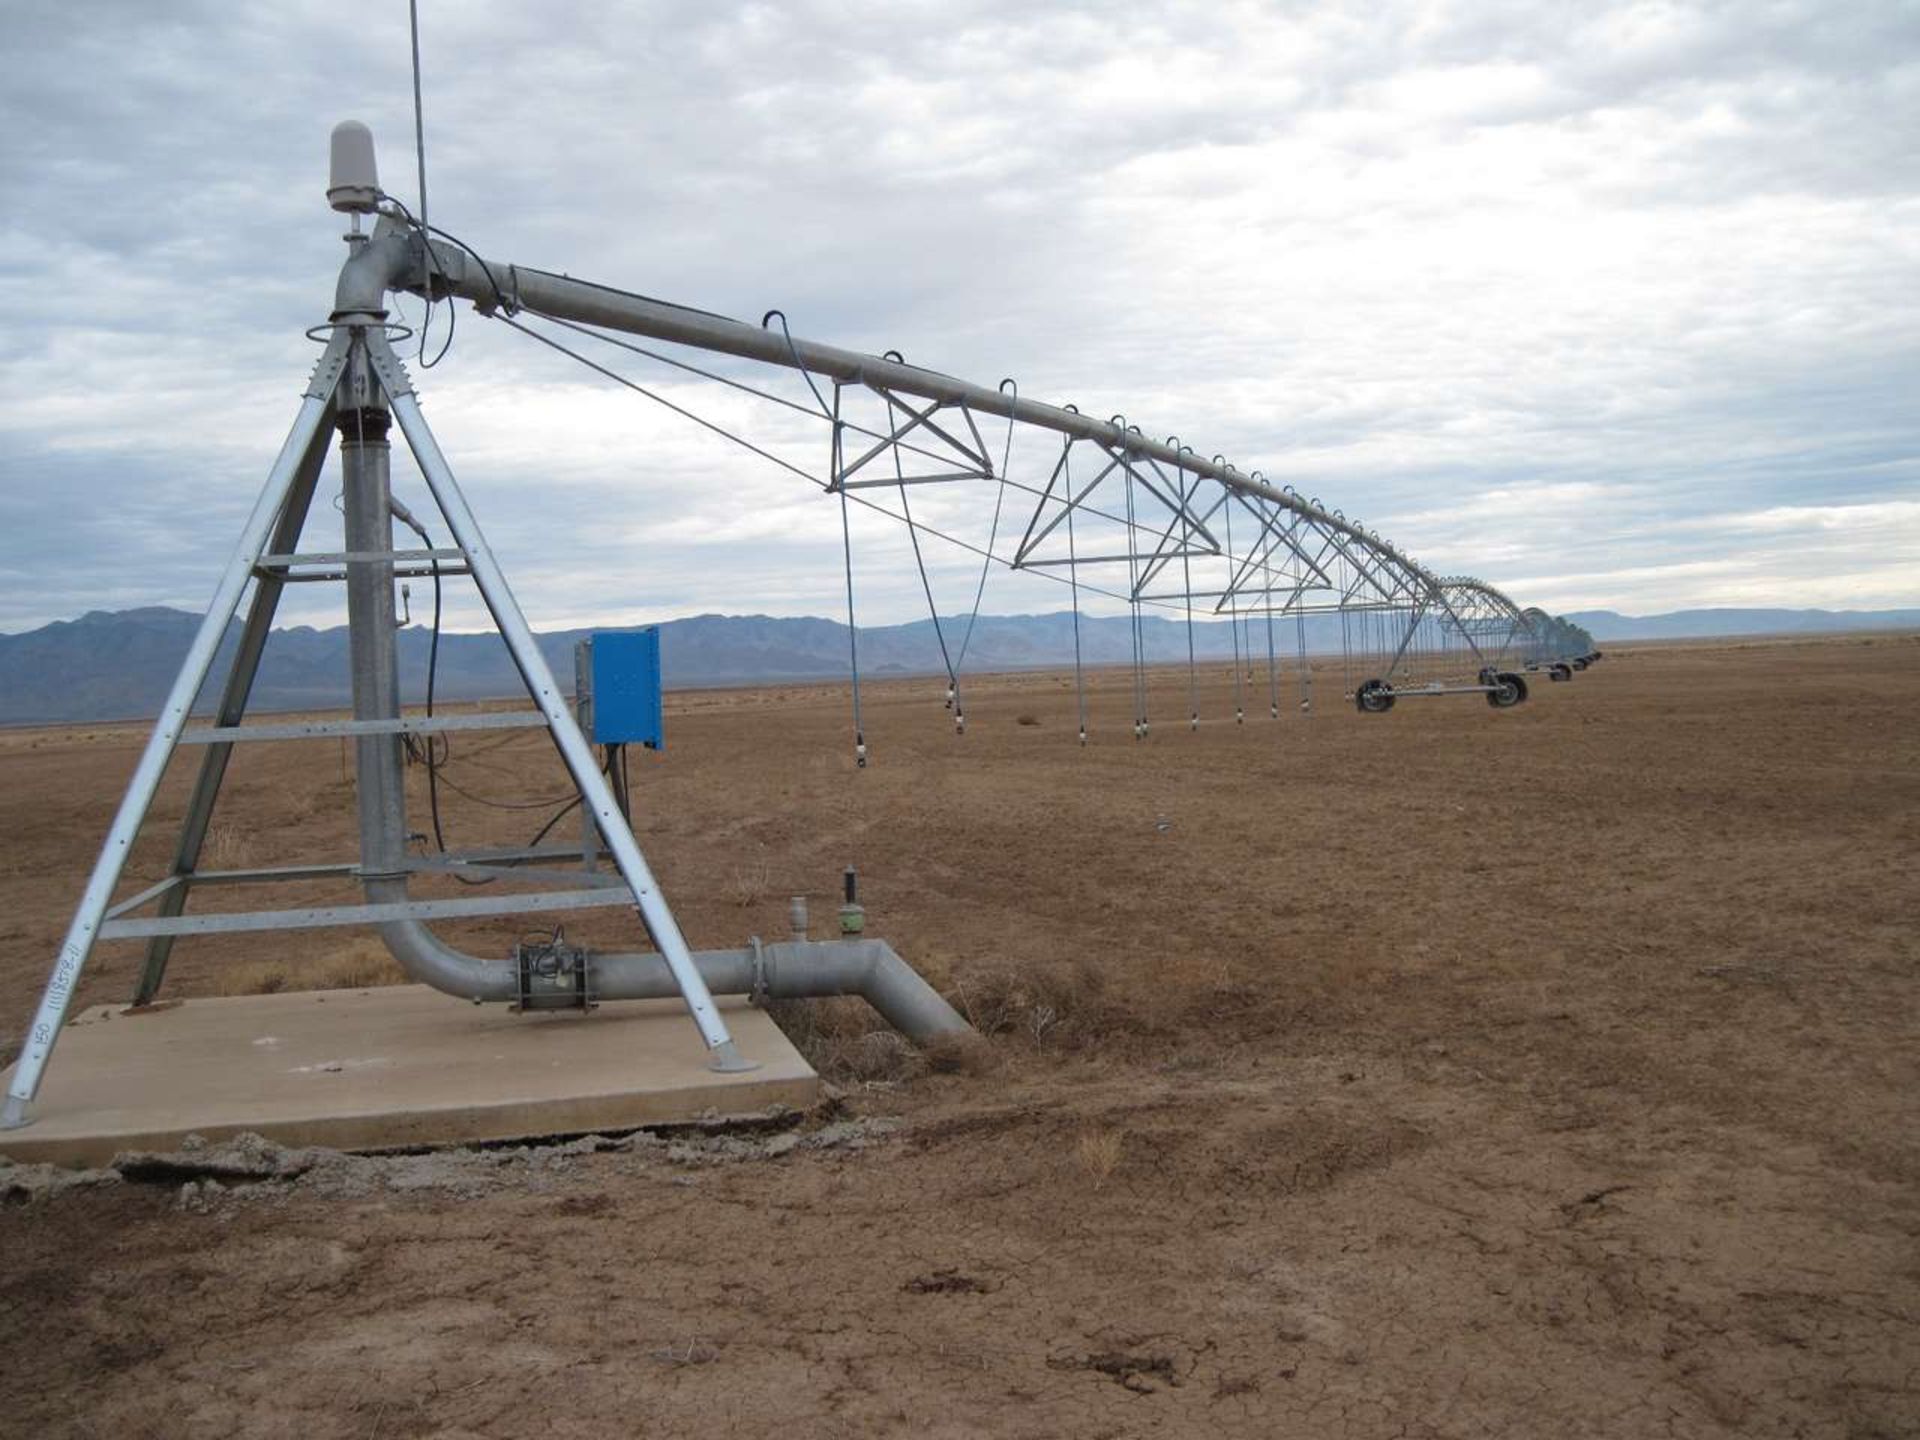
{"points": [[757, 992]]}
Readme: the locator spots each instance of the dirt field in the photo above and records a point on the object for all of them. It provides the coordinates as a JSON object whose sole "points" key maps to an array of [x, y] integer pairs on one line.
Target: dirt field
{"points": [[1454, 1072]]}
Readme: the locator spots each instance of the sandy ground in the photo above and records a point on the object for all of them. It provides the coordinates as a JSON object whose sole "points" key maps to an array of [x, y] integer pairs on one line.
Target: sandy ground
{"points": [[1544, 1073]]}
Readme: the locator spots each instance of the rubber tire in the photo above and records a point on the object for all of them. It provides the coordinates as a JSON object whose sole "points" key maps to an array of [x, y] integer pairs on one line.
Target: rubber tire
{"points": [[1509, 691], [1579, 664], [1560, 672], [1374, 697]]}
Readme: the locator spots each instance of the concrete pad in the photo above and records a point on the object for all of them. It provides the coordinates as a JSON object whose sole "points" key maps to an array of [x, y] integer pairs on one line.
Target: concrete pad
{"points": [[398, 1066]]}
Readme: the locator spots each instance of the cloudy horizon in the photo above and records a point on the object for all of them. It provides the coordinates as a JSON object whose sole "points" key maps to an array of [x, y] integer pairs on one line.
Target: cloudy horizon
{"points": [[1614, 307]]}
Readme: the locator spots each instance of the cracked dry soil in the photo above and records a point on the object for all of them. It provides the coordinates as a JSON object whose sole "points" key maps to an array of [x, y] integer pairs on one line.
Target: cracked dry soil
{"points": [[1446, 1073]]}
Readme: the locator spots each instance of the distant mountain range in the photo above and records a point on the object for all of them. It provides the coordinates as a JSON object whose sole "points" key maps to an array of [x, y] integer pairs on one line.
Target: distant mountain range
{"points": [[1702, 624], [118, 665]]}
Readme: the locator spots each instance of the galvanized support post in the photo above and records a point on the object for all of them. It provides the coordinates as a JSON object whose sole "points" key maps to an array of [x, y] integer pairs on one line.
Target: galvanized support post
{"points": [[74, 950], [232, 709], [366, 461], [547, 697]]}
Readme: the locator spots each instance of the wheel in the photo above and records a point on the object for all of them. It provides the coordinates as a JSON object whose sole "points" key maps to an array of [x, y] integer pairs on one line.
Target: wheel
{"points": [[1374, 697], [1508, 690], [1560, 672]]}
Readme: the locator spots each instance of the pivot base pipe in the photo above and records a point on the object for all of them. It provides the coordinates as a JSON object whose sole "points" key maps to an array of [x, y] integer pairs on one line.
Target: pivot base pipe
{"points": [[791, 970]]}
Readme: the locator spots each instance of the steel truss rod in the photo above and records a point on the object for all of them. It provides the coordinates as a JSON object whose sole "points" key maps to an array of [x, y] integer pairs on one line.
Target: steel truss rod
{"points": [[1072, 502], [1256, 558], [405, 725], [294, 462], [982, 466], [327, 916], [396, 259]]}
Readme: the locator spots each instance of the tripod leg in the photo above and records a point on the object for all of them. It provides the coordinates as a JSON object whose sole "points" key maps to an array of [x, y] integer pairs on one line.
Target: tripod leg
{"points": [[65, 978], [233, 706], [546, 694]]}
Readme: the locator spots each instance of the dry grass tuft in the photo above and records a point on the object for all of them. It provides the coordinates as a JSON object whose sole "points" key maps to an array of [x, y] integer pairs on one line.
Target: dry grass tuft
{"points": [[362, 965], [1098, 1152], [846, 1042], [365, 965], [748, 885], [227, 847], [256, 977], [1060, 1005], [960, 1055]]}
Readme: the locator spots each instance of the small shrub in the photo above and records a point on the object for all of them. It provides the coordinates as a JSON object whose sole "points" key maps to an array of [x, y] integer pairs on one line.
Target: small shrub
{"points": [[1026, 717]]}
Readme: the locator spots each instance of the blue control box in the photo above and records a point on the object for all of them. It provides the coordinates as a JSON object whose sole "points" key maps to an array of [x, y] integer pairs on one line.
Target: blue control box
{"points": [[626, 688]]}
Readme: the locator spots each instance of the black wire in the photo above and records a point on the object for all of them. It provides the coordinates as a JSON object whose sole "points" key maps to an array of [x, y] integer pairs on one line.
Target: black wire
{"points": [[501, 804], [499, 295], [453, 323], [425, 230], [616, 779], [558, 816], [445, 747]]}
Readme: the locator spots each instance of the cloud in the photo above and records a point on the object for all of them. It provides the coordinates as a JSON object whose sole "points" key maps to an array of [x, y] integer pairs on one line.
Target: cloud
{"points": [[1566, 299]]}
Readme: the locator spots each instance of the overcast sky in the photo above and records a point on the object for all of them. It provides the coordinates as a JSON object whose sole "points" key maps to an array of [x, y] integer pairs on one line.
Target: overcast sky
{"points": [[1616, 306]]}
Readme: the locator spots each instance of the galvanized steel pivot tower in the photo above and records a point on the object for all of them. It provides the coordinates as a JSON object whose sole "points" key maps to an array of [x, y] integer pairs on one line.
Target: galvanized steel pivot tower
{"points": [[360, 389], [1153, 515]]}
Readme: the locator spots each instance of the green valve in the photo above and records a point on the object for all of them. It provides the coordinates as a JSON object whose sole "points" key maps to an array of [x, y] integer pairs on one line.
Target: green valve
{"points": [[853, 918]]}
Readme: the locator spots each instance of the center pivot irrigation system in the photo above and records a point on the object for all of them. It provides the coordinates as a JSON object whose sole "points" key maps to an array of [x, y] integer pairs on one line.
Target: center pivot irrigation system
{"points": [[1093, 504]]}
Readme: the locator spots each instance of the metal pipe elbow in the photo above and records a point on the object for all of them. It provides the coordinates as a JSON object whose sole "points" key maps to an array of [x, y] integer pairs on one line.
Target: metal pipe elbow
{"points": [[370, 271], [430, 960]]}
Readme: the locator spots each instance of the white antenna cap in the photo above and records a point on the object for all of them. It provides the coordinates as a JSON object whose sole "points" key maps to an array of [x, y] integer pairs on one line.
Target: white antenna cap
{"points": [[353, 186]]}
